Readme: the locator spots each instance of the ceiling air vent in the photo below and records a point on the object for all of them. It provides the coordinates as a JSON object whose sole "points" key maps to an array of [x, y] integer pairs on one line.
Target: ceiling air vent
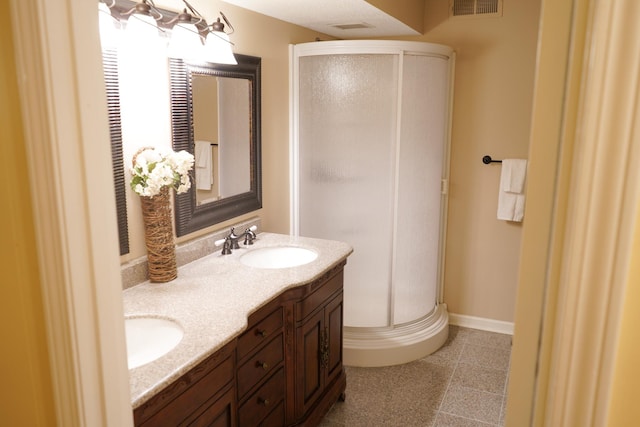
{"points": [[476, 8], [352, 26]]}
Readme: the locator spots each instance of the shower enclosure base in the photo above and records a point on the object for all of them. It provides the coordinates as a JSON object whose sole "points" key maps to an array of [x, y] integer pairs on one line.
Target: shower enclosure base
{"points": [[371, 347]]}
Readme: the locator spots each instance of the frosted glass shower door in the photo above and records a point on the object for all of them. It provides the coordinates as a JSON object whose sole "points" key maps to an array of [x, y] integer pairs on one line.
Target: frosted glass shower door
{"points": [[347, 122], [421, 152]]}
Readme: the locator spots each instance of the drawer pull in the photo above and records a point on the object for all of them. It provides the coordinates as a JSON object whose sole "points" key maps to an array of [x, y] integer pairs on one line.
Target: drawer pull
{"points": [[264, 402], [261, 332], [263, 365]]}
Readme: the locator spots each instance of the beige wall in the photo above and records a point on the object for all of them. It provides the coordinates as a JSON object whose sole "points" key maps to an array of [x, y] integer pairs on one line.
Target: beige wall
{"points": [[25, 396], [495, 67]]}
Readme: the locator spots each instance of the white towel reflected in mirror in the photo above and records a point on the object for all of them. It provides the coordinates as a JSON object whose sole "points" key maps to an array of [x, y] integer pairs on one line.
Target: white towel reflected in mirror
{"points": [[204, 165]]}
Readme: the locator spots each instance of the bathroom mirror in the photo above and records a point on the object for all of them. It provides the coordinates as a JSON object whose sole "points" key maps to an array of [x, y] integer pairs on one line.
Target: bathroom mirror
{"points": [[215, 114], [222, 134]]}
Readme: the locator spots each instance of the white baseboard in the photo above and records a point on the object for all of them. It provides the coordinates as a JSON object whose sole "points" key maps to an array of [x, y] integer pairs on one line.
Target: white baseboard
{"points": [[481, 323]]}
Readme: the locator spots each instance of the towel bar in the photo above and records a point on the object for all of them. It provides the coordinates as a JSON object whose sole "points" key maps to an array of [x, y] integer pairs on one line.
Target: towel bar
{"points": [[487, 159]]}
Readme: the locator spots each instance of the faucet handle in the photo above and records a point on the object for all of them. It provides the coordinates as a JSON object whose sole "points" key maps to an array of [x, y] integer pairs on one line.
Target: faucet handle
{"points": [[249, 235], [226, 247]]}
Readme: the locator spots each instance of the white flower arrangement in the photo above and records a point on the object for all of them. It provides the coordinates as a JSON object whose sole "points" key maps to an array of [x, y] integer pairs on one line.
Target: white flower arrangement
{"points": [[155, 168]]}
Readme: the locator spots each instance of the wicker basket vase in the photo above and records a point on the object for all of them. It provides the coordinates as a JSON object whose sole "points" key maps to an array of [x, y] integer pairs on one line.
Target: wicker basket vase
{"points": [[158, 235]]}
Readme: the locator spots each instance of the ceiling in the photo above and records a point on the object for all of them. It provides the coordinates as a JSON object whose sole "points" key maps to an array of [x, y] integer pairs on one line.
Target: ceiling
{"points": [[343, 19]]}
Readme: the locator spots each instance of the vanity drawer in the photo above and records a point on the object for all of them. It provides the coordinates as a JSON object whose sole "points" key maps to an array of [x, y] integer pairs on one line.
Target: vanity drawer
{"points": [[260, 365], [260, 332], [188, 394], [260, 405], [311, 303]]}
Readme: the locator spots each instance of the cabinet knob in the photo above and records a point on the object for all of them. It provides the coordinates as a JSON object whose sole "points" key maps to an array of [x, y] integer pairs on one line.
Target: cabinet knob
{"points": [[264, 402], [263, 365], [261, 332]]}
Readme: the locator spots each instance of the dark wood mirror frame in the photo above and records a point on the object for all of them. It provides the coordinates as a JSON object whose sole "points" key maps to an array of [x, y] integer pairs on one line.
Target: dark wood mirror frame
{"points": [[189, 216]]}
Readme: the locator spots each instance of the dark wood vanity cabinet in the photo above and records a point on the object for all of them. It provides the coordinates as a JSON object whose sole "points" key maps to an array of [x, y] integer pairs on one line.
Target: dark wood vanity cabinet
{"points": [[284, 370]]}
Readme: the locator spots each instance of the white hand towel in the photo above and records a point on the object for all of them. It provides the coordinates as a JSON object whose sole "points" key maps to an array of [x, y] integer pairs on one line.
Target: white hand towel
{"points": [[511, 197], [204, 171], [513, 173]]}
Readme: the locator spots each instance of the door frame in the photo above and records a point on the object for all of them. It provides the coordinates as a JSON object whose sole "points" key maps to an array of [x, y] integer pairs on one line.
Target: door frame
{"points": [[584, 188], [64, 108]]}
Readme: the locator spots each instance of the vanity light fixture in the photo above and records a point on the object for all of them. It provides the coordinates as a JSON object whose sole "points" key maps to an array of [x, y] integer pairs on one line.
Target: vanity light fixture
{"points": [[218, 46], [191, 37], [186, 41]]}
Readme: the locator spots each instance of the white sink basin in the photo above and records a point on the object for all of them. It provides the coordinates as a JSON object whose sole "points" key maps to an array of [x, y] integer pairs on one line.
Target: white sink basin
{"points": [[148, 338], [278, 257]]}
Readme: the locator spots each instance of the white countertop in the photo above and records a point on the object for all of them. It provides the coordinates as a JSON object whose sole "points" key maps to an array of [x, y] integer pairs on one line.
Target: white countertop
{"points": [[212, 299]]}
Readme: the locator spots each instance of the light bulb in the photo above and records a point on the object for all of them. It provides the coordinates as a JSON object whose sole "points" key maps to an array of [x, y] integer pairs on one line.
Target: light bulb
{"points": [[185, 42], [142, 29], [217, 49]]}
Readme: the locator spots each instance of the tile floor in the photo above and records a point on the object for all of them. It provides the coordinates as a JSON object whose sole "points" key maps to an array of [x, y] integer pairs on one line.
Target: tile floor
{"points": [[463, 385]]}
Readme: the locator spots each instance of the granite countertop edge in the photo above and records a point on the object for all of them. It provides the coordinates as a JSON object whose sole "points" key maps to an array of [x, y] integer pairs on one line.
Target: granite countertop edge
{"points": [[211, 300]]}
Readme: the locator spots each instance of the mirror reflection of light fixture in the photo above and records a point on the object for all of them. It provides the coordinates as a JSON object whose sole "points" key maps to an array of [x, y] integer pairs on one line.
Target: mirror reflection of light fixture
{"points": [[109, 33]]}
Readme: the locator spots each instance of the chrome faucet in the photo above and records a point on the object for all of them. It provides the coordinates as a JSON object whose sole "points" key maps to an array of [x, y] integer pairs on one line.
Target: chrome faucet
{"points": [[231, 241]]}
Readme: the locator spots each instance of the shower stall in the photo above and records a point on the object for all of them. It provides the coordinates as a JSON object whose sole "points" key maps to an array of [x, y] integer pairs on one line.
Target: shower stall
{"points": [[370, 166]]}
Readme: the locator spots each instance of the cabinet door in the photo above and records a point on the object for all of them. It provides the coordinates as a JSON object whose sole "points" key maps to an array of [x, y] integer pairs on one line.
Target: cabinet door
{"points": [[333, 339], [220, 413], [309, 374]]}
